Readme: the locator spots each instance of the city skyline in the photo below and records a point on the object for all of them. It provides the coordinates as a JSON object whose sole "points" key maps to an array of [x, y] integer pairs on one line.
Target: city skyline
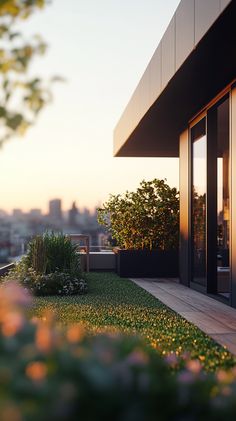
{"points": [[68, 153], [18, 227], [45, 210]]}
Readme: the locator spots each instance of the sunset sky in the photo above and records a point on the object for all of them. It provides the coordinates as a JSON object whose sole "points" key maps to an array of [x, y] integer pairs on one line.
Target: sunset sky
{"points": [[101, 47]]}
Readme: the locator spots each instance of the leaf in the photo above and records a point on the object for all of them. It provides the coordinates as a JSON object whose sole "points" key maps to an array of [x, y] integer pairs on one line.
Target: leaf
{"points": [[14, 35], [5, 84], [27, 95], [14, 122], [2, 112]]}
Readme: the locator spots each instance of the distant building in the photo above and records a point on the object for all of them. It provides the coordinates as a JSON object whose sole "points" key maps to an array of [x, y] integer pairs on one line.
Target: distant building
{"points": [[73, 215], [35, 213], [3, 213], [5, 244], [55, 212], [17, 213]]}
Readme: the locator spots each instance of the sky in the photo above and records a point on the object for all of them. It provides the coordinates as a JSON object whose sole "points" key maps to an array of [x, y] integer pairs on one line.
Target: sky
{"points": [[101, 48]]}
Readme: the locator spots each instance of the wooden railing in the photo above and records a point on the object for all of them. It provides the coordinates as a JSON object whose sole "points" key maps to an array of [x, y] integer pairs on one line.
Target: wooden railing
{"points": [[77, 238], [5, 269]]}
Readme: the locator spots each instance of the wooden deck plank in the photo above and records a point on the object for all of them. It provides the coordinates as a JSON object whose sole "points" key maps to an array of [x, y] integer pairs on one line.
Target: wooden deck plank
{"points": [[211, 316]]}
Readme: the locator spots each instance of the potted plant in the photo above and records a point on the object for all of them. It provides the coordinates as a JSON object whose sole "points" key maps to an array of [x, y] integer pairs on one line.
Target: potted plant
{"points": [[145, 225]]}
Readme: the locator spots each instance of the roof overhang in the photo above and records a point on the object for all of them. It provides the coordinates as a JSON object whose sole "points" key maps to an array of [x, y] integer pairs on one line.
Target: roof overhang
{"points": [[151, 128]]}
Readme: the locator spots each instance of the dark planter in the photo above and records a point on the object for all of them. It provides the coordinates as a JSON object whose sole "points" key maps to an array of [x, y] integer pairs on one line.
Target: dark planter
{"points": [[147, 263]]}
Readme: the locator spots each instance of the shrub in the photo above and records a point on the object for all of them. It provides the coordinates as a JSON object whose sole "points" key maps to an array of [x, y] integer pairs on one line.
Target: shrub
{"points": [[53, 252], [51, 373], [51, 266], [55, 283], [147, 218]]}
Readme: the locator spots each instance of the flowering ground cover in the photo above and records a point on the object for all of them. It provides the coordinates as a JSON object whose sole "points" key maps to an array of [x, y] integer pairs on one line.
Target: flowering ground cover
{"points": [[115, 304], [51, 372]]}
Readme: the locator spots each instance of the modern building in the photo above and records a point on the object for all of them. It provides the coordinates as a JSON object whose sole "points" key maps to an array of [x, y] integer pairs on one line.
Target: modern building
{"points": [[185, 106], [73, 215], [55, 211]]}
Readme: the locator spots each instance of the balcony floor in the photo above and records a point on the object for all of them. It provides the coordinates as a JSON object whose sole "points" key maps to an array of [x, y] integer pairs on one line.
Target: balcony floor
{"points": [[214, 318]]}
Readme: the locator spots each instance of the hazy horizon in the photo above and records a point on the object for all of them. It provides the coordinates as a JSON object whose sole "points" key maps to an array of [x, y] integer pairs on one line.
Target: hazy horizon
{"points": [[45, 209], [101, 48]]}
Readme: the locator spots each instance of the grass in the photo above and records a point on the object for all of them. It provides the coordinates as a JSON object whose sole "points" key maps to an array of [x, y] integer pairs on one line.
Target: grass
{"points": [[113, 303]]}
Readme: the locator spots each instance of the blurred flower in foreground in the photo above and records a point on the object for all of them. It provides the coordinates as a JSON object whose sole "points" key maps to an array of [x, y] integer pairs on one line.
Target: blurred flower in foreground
{"points": [[36, 371], [51, 373], [13, 295]]}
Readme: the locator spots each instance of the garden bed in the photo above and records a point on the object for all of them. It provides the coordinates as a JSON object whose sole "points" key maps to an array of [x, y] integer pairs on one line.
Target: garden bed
{"points": [[113, 303]]}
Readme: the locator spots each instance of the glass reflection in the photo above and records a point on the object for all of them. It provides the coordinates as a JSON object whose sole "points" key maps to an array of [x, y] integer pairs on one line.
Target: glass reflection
{"points": [[199, 185], [223, 212]]}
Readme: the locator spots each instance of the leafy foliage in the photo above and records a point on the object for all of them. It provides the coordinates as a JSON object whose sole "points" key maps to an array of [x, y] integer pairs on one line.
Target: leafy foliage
{"points": [[17, 90], [54, 283], [48, 373], [51, 266], [53, 252], [19, 8], [118, 305], [147, 218]]}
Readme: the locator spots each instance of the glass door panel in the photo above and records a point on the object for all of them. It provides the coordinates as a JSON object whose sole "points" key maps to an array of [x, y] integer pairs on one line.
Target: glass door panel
{"points": [[199, 188], [223, 211]]}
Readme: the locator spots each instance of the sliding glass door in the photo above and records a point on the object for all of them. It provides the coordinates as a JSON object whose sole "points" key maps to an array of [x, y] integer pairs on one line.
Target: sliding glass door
{"points": [[199, 189], [223, 192], [210, 199]]}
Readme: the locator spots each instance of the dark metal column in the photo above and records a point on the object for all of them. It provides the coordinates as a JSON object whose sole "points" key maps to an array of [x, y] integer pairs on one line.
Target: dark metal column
{"points": [[233, 194]]}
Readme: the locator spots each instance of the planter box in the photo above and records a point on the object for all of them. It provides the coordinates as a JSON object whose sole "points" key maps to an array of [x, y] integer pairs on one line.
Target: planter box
{"points": [[147, 263], [99, 261]]}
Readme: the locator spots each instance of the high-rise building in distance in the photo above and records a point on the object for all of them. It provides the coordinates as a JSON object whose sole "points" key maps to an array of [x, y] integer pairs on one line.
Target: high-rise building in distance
{"points": [[55, 211]]}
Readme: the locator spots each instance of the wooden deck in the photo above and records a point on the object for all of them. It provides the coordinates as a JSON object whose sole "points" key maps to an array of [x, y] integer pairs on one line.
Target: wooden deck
{"points": [[211, 316]]}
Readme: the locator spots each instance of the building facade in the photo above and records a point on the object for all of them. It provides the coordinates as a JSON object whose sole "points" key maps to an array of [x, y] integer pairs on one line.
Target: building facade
{"points": [[185, 106], [55, 211]]}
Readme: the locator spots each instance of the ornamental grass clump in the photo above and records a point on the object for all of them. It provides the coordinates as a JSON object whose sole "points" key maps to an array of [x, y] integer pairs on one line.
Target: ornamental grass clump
{"points": [[147, 218], [49, 372], [51, 267]]}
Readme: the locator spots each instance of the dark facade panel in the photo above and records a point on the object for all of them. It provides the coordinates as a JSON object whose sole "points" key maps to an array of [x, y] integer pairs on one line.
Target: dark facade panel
{"points": [[184, 31], [215, 23], [168, 54], [224, 4], [191, 89], [206, 12]]}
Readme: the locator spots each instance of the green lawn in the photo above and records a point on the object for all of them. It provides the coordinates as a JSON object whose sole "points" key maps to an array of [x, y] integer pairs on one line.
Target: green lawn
{"points": [[115, 303]]}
